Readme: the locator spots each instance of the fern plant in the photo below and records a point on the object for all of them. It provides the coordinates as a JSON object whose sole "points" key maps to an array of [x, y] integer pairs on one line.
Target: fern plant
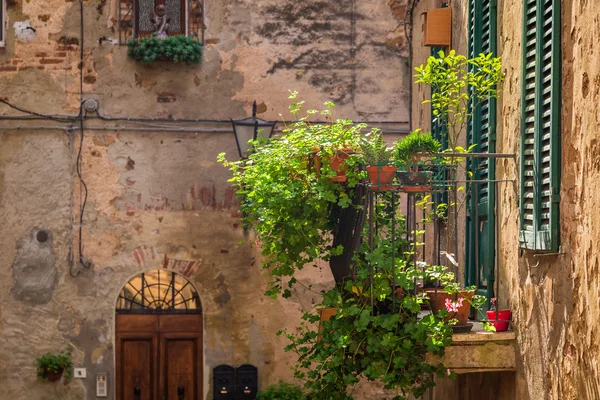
{"points": [[414, 145], [174, 48], [375, 150]]}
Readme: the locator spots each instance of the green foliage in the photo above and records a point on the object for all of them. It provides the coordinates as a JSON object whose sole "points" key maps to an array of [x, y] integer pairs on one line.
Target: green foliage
{"points": [[175, 48], [378, 332], [415, 144], [282, 391], [375, 150], [458, 85], [287, 200], [55, 363]]}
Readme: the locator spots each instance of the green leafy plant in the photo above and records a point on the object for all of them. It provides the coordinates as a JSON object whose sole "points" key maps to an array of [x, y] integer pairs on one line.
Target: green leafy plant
{"points": [[378, 332], [289, 201], [458, 86], [282, 391], [415, 145], [375, 149], [55, 363], [175, 48]]}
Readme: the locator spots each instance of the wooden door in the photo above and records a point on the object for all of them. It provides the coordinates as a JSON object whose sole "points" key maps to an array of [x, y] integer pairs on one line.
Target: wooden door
{"points": [[159, 356]]}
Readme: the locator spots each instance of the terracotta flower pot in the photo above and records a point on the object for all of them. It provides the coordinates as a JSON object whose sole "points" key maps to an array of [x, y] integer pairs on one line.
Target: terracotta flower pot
{"points": [[338, 165], [500, 322], [382, 176], [437, 299], [52, 376], [326, 314]]}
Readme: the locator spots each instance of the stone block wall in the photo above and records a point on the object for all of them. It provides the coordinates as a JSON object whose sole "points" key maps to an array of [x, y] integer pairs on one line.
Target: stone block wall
{"points": [[156, 196]]}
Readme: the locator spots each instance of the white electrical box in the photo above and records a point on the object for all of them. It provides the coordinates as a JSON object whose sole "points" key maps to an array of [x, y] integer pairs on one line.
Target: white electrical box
{"points": [[79, 373], [102, 385]]}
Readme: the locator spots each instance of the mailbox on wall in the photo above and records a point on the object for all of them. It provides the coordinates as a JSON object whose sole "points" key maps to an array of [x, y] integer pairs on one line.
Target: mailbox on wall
{"points": [[246, 382], [224, 382], [239, 383]]}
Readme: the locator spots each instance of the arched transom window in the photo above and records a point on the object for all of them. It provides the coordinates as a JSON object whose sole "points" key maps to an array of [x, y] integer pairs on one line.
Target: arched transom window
{"points": [[158, 291]]}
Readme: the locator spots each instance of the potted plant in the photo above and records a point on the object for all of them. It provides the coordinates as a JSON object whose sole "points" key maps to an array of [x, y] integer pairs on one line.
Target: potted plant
{"points": [[377, 158], [282, 391], [172, 48], [287, 202], [499, 318], [50, 367], [410, 151]]}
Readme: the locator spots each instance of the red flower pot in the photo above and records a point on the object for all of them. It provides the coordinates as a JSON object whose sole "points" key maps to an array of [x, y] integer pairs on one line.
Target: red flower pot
{"points": [[500, 323], [382, 176]]}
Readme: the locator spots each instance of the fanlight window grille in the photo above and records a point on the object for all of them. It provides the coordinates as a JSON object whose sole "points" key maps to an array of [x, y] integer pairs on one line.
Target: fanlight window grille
{"points": [[158, 291]]}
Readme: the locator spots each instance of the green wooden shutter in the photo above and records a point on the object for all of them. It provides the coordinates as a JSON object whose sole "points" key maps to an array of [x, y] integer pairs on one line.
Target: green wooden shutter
{"points": [[439, 131], [481, 132], [540, 126]]}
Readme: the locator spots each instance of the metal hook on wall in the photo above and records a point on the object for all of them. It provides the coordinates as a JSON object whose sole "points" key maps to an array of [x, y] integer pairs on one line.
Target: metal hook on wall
{"points": [[538, 256]]}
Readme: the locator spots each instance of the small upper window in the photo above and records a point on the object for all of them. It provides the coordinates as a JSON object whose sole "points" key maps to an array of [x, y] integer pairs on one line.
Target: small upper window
{"points": [[142, 18]]}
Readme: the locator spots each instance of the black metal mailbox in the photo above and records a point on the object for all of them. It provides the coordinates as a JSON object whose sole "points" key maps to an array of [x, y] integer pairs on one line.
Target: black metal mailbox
{"points": [[224, 382], [246, 382]]}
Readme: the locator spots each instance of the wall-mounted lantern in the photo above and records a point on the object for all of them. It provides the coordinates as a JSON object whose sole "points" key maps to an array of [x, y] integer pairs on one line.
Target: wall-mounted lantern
{"points": [[248, 129]]}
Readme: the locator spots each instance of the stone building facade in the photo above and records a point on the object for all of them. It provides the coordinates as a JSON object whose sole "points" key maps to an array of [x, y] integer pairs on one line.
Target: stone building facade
{"points": [[553, 294], [157, 199], [145, 167]]}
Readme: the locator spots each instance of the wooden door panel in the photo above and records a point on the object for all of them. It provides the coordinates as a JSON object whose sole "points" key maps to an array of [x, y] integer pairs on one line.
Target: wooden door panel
{"points": [[181, 365], [137, 323], [137, 357], [180, 323]]}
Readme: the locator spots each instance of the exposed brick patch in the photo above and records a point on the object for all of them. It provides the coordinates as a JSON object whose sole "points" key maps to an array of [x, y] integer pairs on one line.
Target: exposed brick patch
{"points": [[89, 79], [41, 54], [44, 17], [67, 48], [51, 61], [166, 97], [212, 41], [7, 68]]}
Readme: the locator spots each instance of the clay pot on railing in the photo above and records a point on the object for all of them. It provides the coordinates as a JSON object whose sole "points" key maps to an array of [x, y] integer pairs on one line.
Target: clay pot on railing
{"points": [[381, 176]]}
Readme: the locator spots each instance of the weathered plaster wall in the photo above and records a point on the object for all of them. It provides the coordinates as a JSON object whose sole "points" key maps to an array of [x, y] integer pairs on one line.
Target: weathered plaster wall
{"points": [[554, 299], [151, 197], [347, 51], [156, 194]]}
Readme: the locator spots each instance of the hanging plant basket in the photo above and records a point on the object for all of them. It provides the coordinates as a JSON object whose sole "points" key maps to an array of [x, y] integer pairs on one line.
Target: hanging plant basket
{"points": [[414, 181], [53, 376], [177, 49]]}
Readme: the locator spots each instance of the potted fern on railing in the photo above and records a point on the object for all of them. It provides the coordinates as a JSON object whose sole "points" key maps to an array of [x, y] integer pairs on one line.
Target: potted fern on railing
{"points": [[377, 157], [413, 151]]}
